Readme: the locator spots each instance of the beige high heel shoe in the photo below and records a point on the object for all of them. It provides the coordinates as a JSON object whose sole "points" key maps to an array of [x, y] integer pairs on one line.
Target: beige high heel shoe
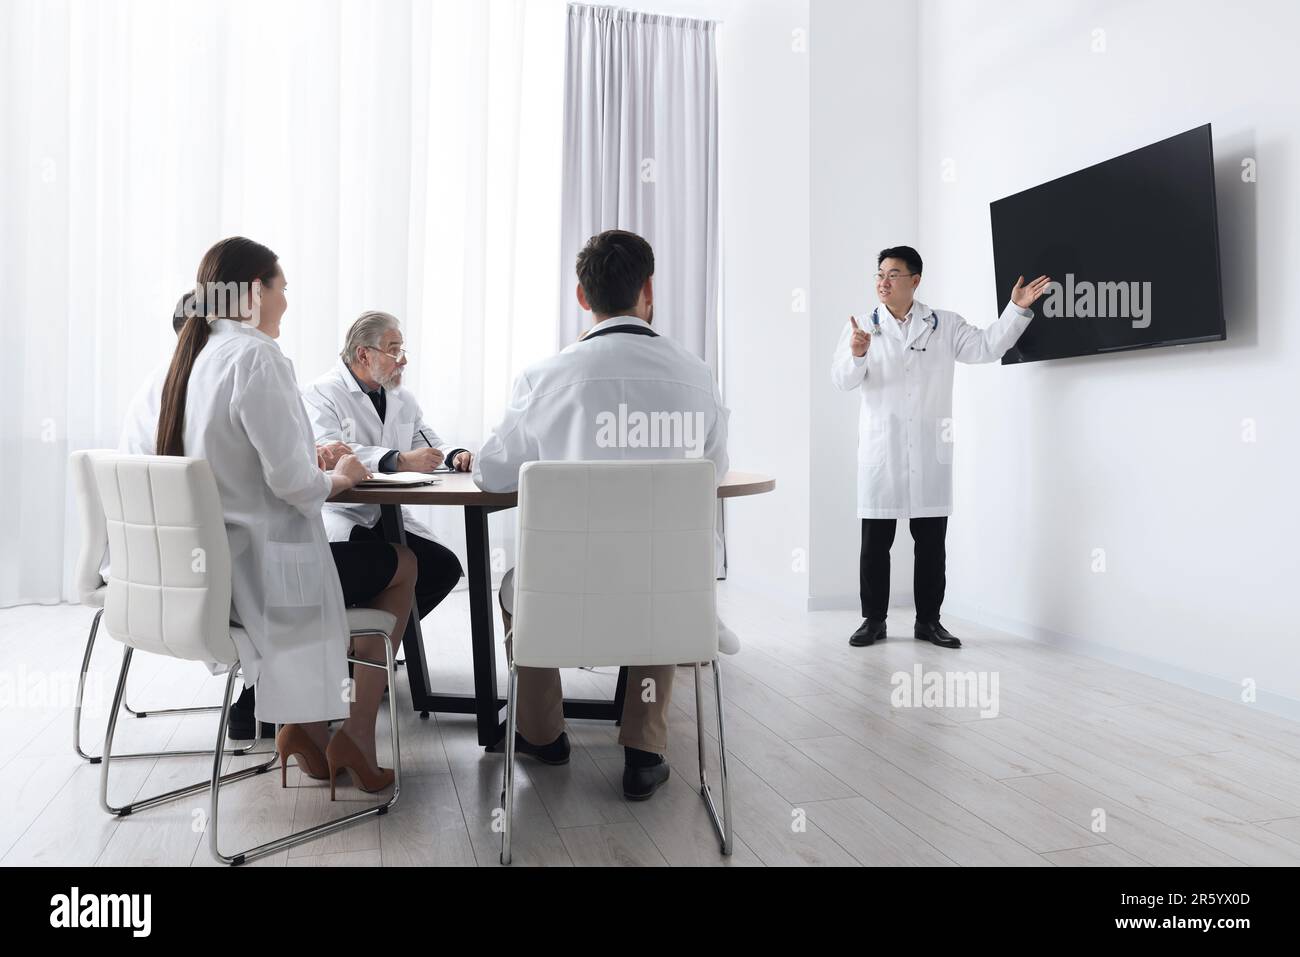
{"points": [[342, 754], [293, 740]]}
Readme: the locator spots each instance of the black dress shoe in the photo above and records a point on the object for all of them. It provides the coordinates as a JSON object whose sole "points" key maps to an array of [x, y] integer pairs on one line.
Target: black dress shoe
{"points": [[868, 634], [242, 719], [557, 752], [935, 633], [640, 784]]}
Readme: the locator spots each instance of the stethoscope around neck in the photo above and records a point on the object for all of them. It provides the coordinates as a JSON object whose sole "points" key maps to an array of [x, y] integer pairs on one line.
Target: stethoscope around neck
{"points": [[932, 322]]}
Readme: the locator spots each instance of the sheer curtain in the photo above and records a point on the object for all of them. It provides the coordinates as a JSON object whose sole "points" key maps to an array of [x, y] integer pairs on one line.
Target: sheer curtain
{"points": [[397, 154], [641, 153]]}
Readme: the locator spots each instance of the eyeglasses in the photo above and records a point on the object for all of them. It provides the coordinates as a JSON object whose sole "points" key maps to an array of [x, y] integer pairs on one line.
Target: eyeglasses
{"points": [[397, 356], [893, 276]]}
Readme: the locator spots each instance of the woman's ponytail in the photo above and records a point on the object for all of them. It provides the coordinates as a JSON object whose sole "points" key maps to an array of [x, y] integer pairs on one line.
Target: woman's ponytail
{"points": [[238, 262], [171, 414]]}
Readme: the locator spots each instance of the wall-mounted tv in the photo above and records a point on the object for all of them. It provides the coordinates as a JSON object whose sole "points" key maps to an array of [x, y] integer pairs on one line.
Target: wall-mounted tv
{"points": [[1132, 246]]}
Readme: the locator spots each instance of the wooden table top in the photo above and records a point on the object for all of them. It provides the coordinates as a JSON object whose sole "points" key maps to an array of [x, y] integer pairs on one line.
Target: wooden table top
{"points": [[458, 488]]}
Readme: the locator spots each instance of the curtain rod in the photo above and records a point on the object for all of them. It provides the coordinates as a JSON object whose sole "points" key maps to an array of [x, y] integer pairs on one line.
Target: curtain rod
{"points": [[609, 9]]}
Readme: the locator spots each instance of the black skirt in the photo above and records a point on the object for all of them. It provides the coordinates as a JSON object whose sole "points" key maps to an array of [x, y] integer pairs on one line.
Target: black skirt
{"points": [[365, 569]]}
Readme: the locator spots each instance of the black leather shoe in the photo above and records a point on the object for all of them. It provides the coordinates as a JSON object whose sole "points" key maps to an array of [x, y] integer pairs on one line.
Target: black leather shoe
{"points": [[242, 719], [870, 633], [640, 784], [936, 634], [557, 752]]}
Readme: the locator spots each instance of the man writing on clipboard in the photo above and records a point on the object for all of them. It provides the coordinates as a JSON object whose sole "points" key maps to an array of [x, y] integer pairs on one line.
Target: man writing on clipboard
{"points": [[901, 359], [361, 402]]}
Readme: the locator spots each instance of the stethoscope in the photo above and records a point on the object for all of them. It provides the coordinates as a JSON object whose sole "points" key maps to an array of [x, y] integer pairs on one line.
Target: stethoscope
{"points": [[932, 322]]}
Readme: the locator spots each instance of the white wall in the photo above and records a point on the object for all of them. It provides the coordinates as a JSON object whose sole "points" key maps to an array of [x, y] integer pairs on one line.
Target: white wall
{"points": [[765, 134], [1140, 454], [864, 198], [764, 171], [830, 157]]}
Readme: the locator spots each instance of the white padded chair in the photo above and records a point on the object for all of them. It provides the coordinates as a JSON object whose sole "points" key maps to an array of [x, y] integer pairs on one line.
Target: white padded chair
{"points": [[91, 589], [616, 567], [159, 510]]}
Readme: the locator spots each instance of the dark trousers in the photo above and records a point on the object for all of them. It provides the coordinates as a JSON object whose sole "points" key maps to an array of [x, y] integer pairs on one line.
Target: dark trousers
{"points": [[928, 578], [438, 567]]}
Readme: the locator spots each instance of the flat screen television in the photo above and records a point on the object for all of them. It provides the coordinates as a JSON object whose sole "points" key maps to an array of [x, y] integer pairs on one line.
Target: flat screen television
{"points": [[1132, 247]]}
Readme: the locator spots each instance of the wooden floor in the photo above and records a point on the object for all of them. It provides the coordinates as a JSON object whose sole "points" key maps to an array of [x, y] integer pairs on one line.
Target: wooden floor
{"points": [[1085, 764]]}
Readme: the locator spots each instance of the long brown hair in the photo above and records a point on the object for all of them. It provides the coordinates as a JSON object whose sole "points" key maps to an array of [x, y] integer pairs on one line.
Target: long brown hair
{"points": [[234, 260]]}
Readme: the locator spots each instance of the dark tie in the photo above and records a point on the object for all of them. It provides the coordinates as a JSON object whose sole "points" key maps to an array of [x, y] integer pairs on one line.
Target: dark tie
{"points": [[377, 397]]}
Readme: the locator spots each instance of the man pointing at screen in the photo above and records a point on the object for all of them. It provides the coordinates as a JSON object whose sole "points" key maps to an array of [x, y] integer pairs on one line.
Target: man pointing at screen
{"points": [[901, 359]]}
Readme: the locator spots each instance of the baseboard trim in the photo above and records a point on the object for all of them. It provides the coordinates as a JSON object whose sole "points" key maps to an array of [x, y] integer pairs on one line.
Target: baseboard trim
{"points": [[1223, 688], [768, 591], [850, 601], [831, 603]]}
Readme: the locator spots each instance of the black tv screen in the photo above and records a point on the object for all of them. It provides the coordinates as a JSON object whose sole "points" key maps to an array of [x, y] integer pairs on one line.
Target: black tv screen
{"points": [[1132, 247]]}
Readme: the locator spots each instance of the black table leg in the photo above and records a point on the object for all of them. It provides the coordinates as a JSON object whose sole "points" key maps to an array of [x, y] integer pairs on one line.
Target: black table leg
{"points": [[485, 704], [620, 694], [478, 554], [394, 531]]}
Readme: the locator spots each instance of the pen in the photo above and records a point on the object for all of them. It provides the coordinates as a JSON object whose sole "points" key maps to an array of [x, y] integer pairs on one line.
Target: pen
{"points": [[430, 445]]}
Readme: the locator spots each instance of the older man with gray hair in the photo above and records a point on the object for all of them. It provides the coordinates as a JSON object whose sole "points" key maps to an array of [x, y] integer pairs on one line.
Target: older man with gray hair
{"points": [[361, 402]]}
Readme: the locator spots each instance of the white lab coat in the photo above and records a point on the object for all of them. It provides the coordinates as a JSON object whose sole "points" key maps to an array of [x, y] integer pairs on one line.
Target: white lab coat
{"points": [[140, 427], [342, 412], [905, 420], [244, 414], [552, 415]]}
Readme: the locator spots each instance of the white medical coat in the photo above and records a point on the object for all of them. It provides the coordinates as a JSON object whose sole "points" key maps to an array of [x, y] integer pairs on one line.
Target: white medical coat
{"points": [[905, 435], [341, 411], [245, 415], [581, 405]]}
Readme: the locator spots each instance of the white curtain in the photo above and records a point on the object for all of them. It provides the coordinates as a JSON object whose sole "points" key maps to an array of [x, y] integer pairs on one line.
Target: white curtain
{"points": [[641, 153], [397, 154]]}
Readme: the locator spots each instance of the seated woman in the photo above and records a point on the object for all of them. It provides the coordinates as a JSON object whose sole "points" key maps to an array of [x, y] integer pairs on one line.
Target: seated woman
{"points": [[231, 397]]}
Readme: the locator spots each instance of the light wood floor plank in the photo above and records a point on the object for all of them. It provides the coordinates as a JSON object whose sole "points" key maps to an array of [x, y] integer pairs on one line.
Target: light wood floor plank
{"points": [[826, 768]]}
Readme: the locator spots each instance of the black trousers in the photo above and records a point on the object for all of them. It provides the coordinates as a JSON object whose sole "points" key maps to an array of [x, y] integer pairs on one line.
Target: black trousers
{"points": [[439, 568], [928, 575]]}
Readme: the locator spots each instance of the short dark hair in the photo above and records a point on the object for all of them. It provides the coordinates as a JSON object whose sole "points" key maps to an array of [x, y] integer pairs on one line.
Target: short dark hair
{"points": [[905, 253], [612, 268]]}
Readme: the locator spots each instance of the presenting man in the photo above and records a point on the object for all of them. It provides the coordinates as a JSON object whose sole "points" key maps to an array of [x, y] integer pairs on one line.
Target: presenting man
{"points": [[553, 415], [901, 360], [361, 402]]}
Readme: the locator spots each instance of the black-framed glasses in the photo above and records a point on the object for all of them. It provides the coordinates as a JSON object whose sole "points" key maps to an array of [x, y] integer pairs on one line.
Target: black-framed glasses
{"points": [[893, 276]]}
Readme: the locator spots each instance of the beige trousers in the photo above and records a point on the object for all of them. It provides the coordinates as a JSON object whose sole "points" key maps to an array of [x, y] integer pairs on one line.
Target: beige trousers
{"points": [[540, 711]]}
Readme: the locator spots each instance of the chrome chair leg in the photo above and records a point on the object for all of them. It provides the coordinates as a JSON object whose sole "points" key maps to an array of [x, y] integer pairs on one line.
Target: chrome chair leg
{"points": [[81, 690], [298, 837], [508, 789], [721, 826], [154, 712], [163, 798], [699, 725], [81, 694]]}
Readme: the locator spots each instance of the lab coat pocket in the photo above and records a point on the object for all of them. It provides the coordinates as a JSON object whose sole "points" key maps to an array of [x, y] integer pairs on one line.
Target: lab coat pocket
{"points": [[295, 575], [873, 444], [403, 437], [943, 439]]}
